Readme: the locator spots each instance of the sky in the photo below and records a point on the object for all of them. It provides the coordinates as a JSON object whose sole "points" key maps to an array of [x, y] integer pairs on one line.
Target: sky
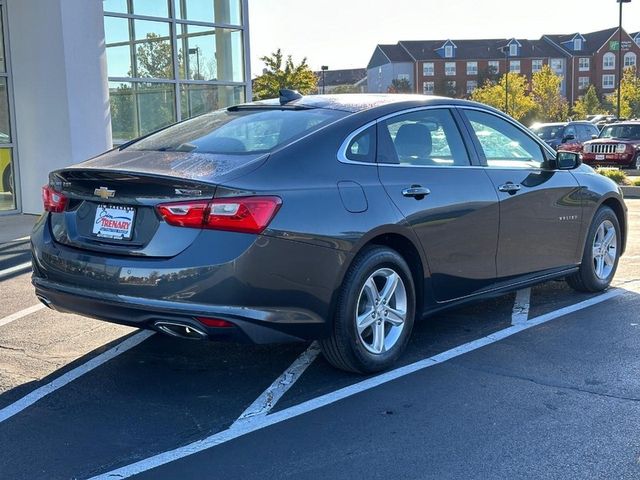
{"points": [[344, 33]]}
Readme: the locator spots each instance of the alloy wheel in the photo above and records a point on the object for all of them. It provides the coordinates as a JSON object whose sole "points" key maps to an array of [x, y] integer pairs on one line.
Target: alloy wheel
{"points": [[381, 311], [605, 249]]}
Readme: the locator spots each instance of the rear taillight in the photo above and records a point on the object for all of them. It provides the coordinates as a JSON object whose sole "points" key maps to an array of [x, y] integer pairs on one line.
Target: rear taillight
{"points": [[214, 322], [236, 214], [53, 201]]}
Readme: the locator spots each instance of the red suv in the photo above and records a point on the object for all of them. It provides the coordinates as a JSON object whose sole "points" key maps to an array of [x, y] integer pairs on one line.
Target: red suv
{"points": [[617, 145]]}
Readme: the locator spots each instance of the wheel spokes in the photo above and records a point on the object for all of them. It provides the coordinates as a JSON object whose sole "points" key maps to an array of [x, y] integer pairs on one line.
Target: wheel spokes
{"points": [[365, 320], [395, 317], [389, 287], [378, 337]]}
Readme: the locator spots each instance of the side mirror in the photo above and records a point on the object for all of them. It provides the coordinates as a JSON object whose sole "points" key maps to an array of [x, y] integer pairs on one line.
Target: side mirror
{"points": [[568, 138], [594, 136], [568, 160]]}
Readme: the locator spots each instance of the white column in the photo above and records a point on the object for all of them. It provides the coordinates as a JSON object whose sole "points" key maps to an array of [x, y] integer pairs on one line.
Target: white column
{"points": [[61, 91]]}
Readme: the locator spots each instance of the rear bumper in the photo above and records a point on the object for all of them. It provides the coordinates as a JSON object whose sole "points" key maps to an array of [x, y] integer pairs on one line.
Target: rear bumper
{"points": [[250, 325], [272, 290]]}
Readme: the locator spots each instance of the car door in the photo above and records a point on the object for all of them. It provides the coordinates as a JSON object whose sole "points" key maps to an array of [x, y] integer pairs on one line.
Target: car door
{"points": [[540, 208], [426, 169]]}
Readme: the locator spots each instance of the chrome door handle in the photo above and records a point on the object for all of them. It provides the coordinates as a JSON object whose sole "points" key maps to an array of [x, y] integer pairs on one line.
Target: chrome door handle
{"points": [[416, 191], [510, 187]]}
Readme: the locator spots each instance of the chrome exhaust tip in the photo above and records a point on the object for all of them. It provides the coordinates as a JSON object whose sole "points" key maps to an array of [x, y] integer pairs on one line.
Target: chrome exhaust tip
{"points": [[180, 330], [45, 301]]}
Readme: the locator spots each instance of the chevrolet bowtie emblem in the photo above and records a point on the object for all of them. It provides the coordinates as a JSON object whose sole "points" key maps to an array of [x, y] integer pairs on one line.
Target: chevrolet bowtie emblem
{"points": [[104, 192]]}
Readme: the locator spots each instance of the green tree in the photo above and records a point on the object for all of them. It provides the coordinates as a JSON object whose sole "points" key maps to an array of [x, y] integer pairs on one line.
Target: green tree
{"points": [[154, 58], [344, 89], [400, 85], [551, 106], [629, 94], [588, 104], [488, 75], [280, 73], [493, 94]]}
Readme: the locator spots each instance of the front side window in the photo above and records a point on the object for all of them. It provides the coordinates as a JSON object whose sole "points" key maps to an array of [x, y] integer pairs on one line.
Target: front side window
{"points": [[424, 138], [627, 132], [450, 68], [503, 144], [239, 132], [609, 61]]}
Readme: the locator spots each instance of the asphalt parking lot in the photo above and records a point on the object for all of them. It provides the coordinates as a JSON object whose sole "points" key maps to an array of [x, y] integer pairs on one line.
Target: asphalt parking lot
{"points": [[539, 384]]}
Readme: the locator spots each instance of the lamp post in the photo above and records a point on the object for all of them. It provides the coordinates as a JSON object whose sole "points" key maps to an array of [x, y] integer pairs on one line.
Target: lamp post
{"points": [[196, 52], [505, 50], [620, 52], [324, 68]]}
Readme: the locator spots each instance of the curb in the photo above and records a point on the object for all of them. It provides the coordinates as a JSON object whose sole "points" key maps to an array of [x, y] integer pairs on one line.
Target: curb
{"points": [[630, 192]]}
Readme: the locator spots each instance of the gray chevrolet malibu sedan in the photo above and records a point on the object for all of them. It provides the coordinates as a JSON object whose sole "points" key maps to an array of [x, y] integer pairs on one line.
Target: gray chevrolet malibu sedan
{"points": [[337, 218]]}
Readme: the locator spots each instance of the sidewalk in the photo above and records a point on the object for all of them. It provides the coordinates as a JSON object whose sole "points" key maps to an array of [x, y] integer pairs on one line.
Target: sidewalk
{"points": [[13, 227]]}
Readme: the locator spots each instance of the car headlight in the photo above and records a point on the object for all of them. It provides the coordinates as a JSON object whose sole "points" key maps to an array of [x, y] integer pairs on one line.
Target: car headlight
{"points": [[621, 148], [586, 148]]}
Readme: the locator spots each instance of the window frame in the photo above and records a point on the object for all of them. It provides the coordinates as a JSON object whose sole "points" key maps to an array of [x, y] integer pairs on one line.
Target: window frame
{"points": [[534, 63], [547, 152], [582, 85], [458, 120], [448, 51], [611, 56], [428, 71], [494, 63], [472, 71], [513, 49], [630, 55], [447, 65], [613, 80], [584, 68], [513, 63]]}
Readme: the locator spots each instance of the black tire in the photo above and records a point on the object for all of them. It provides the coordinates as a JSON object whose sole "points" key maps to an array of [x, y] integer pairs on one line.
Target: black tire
{"points": [[586, 279], [6, 180], [345, 349]]}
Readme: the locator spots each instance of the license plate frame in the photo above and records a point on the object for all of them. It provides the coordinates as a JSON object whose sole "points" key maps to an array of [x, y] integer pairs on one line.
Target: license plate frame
{"points": [[114, 222], [600, 156]]}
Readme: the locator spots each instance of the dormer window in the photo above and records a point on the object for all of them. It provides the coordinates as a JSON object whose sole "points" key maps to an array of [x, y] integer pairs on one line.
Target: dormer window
{"points": [[513, 50], [448, 51], [577, 44]]}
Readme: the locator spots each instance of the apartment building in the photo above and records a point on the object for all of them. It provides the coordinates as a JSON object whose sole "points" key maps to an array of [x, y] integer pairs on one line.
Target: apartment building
{"points": [[456, 67]]}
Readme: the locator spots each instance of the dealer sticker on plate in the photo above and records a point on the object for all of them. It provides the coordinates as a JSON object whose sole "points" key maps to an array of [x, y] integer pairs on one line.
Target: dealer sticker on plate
{"points": [[114, 222]]}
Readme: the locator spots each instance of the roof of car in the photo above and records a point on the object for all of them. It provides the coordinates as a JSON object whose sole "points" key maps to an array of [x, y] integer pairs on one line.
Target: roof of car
{"points": [[358, 102]]}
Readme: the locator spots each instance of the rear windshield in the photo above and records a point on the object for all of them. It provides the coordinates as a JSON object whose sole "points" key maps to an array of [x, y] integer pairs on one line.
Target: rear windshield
{"points": [[238, 132], [549, 132], [631, 132]]}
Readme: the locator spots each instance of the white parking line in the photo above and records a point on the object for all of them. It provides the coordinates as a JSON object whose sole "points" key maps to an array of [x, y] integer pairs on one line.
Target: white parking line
{"points": [[521, 306], [257, 423], [17, 268], [265, 402], [41, 392], [22, 313]]}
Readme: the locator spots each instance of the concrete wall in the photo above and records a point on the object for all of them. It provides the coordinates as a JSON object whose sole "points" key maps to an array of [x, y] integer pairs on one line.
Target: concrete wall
{"points": [[60, 88], [379, 78]]}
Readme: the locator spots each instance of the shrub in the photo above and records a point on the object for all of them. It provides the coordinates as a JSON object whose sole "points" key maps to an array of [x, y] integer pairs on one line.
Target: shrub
{"points": [[637, 182], [614, 174]]}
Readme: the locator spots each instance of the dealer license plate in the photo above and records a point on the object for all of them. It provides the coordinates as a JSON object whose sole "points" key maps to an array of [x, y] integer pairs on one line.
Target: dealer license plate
{"points": [[114, 222], [599, 157]]}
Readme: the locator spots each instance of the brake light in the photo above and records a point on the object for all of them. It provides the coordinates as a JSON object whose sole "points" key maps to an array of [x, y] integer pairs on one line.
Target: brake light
{"points": [[54, 202], [235, 214]]}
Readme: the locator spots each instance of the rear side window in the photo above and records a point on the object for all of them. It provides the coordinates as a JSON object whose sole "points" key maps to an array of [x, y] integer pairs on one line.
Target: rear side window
{"points": [[363, 147], [503, 144], [238, 132], [423, 138]]}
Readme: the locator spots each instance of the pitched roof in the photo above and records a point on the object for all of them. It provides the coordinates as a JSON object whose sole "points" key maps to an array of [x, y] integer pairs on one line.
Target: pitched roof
{"points": [[477, 49], [395, 53], [349, 76], [593, 40]]}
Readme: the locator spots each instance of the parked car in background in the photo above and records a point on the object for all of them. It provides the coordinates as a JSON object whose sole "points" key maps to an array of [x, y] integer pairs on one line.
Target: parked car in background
{"points": [[567, 136], [338, 218], [618, 145], [601, 120]]}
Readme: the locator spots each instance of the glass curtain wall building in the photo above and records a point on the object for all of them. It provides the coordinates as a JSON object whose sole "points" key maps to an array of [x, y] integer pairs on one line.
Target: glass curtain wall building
{"points": [[169, 60], [7, 138]]}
